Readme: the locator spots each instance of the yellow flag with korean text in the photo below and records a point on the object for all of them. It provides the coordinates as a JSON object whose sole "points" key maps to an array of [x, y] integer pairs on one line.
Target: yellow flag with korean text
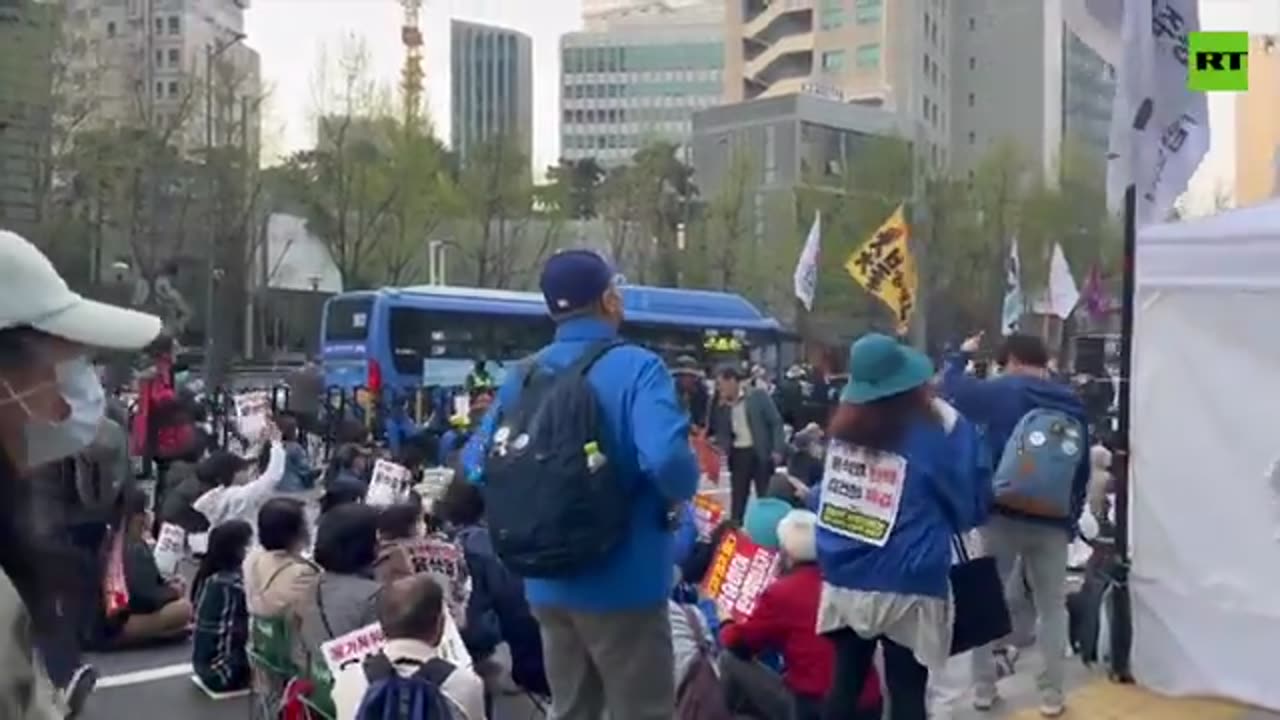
{"points": [[885, 267]]}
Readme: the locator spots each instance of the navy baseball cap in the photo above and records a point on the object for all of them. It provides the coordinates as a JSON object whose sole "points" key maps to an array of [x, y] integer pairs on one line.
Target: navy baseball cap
{"points": [[573, 279]]}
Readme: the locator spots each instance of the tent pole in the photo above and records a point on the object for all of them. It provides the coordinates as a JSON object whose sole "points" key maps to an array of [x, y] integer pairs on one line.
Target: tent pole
{"points": [[1122, 603]]}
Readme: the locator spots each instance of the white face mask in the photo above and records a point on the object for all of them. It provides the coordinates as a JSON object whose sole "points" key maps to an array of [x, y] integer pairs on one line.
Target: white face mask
{"points": [[47, 440]]}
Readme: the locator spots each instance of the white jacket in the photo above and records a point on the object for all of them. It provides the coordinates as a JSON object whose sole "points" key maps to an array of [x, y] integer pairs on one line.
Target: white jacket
{"points": [[242, 502]]}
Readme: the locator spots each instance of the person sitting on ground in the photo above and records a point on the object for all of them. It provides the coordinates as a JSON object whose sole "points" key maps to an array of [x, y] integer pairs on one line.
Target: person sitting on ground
{"points": [[222, 618], [343, 597], [398, 527], [496, 612], [298, 473], [412, 613], [276, 575], [784, 620], [157, 608], [218, 469], [242, 498]]}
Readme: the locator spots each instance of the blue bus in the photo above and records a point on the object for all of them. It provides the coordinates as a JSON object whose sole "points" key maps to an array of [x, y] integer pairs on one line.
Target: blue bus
{"points": [[405, 339]]}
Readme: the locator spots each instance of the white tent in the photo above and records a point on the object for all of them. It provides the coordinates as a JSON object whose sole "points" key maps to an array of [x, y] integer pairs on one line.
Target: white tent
{"points": [[1205, 511]]}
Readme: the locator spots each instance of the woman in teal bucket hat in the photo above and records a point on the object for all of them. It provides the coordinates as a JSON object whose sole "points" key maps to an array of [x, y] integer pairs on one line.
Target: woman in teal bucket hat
{"points": [[904, 472]]}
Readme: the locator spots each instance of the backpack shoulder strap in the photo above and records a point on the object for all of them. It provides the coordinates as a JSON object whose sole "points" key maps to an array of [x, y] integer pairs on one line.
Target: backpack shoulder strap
{"points": [[436, 671], [591, 355], [377, 667]]}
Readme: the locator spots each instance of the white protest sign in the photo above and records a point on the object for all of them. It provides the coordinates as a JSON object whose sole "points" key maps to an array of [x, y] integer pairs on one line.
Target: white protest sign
{"points": [[861, 492], [171, 546], [352, 648], [434, 483], [389, 485], [252, 410]]}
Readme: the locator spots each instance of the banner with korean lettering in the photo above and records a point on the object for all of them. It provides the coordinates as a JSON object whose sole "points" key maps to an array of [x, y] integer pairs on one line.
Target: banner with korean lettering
{"points": [[740, 571], [885, 267]]}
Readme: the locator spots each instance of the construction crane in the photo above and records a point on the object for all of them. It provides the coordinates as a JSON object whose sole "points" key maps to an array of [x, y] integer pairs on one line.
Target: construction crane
{"points": [[412, 76]]}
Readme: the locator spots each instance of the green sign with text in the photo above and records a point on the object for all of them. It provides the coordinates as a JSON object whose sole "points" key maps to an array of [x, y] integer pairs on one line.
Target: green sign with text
{"points": [[1219, 62]]}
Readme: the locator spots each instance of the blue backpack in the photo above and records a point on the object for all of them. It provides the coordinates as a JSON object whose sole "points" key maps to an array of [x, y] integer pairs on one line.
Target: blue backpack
{"points": [[392, 696], [1038, 467]]}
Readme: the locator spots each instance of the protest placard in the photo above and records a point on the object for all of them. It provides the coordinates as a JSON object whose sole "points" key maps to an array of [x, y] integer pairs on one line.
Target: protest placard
{"points": [[171, 546], [861, 492], [707, 514], [434, 483], [252, 411], [389, 485], [352, 648], [740, 572]]}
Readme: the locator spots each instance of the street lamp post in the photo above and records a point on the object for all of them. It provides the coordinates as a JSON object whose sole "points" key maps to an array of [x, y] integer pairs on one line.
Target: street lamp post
{"points": [[211, 54]]}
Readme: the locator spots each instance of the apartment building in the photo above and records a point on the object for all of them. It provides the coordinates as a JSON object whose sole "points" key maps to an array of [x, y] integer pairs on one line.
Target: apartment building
{"points": [[1258, 125], [637, 75], [892, 54], [150, 63], [28, 36], [491, 80]]}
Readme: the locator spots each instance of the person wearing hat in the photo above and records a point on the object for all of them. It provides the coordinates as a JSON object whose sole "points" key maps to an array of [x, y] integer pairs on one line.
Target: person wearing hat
{"points": [[747, 427], [51, 406], [611, 620], [904, 473], [691, 388]]}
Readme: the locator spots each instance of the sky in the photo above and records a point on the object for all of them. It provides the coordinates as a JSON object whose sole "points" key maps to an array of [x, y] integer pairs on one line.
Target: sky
{"points": [[294, 37]]}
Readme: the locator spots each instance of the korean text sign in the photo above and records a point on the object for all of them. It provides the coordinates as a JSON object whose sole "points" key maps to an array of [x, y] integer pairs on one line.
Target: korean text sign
{"points": [[740, 572]]}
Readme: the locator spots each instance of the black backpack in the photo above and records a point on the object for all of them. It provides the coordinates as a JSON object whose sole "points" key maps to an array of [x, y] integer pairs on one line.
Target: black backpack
{"points": [[550, 514], [417, 697]]}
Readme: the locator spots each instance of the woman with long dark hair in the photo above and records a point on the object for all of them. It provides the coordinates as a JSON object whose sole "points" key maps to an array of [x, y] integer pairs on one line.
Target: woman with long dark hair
{"points": [[51, 404], [222, 615], [904, 473]]}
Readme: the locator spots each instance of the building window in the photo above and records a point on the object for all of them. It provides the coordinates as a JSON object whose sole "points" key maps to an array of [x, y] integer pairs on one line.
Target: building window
{"points": [[971, 99], [174, 57], [111, 28], [973, 24], [159, 26], [867, 56], [159, 89], [175, 25], [924, 108], [973, 63], [868, 11], [159, 58], [833, 61], [973, 137], [832, 14], [173, 88]]}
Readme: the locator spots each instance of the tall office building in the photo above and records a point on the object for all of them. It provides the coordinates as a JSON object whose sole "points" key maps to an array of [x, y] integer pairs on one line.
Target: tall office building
{"points": [[491, 72], [28, 37], [1258, 125], [1020, 74], [636, 76], [147, 62], [888, 54]]}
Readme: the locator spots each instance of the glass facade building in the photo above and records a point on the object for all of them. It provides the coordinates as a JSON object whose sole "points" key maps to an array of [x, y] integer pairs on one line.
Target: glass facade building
{"points": [[1088, 89], [625, 86], [491, 92]]}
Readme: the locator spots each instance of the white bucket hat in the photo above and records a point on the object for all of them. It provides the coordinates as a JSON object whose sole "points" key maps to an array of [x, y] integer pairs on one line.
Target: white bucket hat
{"points": [[33, 294]]}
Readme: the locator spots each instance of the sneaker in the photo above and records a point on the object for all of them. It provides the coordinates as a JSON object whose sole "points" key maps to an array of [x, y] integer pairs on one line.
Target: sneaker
{"points": [[984, 703], [79, 689], [1052, 709]]}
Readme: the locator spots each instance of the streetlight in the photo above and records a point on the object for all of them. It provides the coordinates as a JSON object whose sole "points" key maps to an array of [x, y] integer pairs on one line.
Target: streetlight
{"points": [[211, 54]]}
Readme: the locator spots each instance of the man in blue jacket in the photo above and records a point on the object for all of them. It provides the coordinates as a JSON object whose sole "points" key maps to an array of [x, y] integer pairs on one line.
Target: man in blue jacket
{"points": [[605, 632], [1040, 543]]}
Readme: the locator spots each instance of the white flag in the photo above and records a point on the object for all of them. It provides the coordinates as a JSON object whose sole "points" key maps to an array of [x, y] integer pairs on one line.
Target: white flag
{"points": [[1011, 311], [1061, 295], [806, 277], [1159, 128]]}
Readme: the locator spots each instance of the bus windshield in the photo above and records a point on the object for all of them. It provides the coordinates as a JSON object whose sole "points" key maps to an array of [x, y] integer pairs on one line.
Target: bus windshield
{"points": [[347, 319], [442, 347]]}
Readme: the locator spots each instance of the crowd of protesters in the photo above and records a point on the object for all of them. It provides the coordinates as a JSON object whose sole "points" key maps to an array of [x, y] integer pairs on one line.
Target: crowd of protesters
{"points": [[862, 617]]}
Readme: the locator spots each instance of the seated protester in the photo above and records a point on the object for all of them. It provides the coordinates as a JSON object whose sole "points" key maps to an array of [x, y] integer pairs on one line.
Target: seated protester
{"points": [[343, 597], [241, 498], [785, 620], [157, 609], [409, 669], [348, 470], [216, 470], [222, 617], [690, 635], [398, 526], [276, 575], [496, 611], [298, 473]]}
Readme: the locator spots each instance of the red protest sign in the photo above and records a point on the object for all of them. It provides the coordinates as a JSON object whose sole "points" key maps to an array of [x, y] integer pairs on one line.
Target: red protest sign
{"points": [[707, 514], [740, 571]]}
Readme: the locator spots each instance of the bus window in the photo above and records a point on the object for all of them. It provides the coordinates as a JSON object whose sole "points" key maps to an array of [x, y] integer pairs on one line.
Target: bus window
{"points": [[451, 341], [348, 320]]}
